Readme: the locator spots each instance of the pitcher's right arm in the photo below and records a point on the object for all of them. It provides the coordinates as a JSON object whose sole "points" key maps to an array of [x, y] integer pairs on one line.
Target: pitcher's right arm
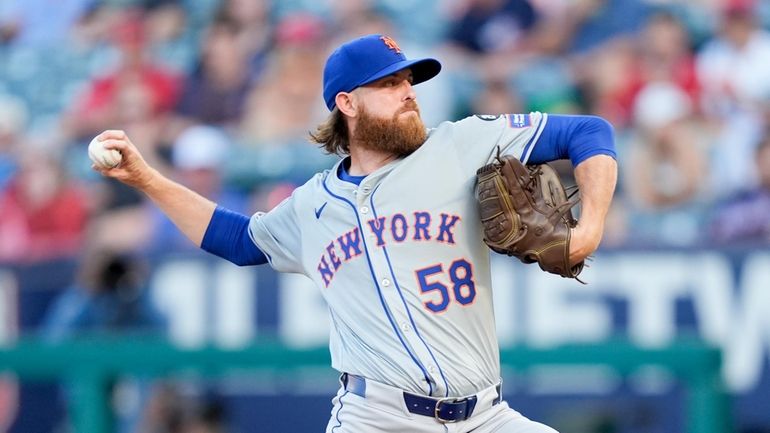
{"points": [[210, 227]]}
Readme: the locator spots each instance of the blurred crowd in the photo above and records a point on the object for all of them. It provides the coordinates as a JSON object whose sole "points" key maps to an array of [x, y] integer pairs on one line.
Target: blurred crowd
{"points": [[221, 94]]}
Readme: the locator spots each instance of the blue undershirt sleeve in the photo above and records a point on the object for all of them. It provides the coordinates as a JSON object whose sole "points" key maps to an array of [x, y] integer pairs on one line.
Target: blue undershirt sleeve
{"points": [[227, 236], [575, 137]]}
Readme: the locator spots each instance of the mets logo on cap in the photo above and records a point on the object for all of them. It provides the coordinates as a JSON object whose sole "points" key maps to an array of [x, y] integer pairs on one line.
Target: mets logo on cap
{"points": [[390, 43]]}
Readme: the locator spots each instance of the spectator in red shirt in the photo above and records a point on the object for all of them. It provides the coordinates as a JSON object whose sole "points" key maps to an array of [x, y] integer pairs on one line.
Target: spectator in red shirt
{"points": [[42, 215], [135, 91]]}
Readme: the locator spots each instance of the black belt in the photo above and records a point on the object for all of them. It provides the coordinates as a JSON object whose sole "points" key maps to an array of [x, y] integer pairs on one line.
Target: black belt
{"points": [[445, 410]]}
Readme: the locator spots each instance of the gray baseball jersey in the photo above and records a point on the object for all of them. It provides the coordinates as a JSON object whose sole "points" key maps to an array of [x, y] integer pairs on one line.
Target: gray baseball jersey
{"points": [[400, 258]]}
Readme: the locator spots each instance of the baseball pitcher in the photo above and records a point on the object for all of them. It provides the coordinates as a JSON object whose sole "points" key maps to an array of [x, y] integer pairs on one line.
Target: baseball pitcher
{"points": [[395, 237]]}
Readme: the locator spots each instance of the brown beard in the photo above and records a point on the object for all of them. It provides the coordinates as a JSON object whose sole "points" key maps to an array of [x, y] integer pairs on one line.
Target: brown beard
{"points": [[396, 136]]}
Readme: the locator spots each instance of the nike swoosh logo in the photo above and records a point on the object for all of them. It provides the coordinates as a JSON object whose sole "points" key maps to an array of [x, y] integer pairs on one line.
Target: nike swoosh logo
{"points": [[319, 210]]}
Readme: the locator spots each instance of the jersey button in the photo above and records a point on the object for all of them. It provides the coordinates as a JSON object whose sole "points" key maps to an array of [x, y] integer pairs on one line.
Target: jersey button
{"points": [[364, 209], [366, 189], [405, 327], [385, 282]]}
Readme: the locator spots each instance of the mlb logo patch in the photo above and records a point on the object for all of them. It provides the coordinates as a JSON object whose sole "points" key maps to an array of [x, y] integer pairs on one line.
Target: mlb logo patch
{"points": [[518, 120]]}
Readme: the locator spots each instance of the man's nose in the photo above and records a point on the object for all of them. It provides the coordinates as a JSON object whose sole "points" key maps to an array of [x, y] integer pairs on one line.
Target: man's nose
{"points": [[410, 95]]}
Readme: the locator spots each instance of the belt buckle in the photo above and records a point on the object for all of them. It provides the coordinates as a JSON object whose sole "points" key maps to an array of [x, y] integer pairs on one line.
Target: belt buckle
{"points": [[436, 412]]}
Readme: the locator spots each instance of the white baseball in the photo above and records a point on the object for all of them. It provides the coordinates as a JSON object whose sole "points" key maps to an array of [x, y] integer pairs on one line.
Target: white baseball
{"points": [[104, 158]]}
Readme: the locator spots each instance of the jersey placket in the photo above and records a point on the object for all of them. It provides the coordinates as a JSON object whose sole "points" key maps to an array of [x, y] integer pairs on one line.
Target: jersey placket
{"points": [[389, 286]]}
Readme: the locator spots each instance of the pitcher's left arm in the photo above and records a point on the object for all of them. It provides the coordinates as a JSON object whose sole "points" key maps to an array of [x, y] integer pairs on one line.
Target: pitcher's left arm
{"points": [[589, 143]]}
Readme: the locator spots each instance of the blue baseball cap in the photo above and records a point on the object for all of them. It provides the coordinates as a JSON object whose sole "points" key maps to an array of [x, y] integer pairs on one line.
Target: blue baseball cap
{"points": [[367, 59]]}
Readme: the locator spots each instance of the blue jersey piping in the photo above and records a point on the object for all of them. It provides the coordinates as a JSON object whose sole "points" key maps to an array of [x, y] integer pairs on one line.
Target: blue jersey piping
{"points": [[401, 295], [379, 291], [525, 153], [337, 415]]}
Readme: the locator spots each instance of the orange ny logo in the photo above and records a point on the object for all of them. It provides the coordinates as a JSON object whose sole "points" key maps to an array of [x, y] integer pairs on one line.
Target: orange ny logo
{"points": [[391, 44]]}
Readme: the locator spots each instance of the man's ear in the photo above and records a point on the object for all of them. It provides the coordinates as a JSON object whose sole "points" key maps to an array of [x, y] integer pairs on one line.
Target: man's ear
{"points": [[346, 103]]}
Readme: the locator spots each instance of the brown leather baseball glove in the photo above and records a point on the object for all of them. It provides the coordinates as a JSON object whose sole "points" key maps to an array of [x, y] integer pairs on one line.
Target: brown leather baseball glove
{"points": [[526, 213]]}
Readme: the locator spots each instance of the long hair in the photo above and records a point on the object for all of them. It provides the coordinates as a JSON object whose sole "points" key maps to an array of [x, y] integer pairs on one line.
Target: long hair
{"points": [[332, 134]]}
